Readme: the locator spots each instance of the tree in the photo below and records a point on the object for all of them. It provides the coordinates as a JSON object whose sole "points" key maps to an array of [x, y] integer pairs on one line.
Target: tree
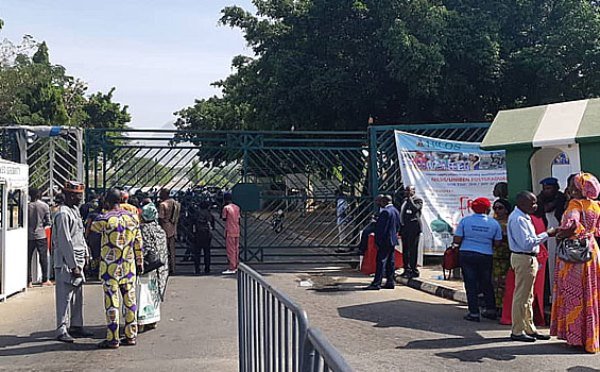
{"points": [[327, 65]]}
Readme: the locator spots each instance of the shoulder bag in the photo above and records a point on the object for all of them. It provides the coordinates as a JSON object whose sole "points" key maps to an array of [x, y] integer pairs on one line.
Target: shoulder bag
{"points": [[575, 250]]}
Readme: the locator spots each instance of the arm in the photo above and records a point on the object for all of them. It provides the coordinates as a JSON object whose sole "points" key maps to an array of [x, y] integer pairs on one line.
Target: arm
{"points": [[224, 214], [138, 250], [63, 237], [162, 214], [458, 235], [212, 220], [47, 220], [415, 203], [519, 230], [380, 227]]}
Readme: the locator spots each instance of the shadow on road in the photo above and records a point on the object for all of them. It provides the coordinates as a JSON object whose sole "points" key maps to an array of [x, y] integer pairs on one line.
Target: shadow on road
{"points": [[511, 352]]}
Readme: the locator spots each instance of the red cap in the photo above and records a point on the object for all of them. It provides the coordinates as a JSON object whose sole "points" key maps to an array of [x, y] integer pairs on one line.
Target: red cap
{"points": [[481, 205]]}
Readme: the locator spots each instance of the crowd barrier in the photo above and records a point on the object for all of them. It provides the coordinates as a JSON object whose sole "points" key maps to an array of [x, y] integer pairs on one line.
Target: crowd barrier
{"points": [[274, 333]]}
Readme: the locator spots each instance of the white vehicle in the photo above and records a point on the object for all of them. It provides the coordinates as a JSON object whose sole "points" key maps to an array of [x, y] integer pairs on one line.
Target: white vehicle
{"points": [[14, 183]]}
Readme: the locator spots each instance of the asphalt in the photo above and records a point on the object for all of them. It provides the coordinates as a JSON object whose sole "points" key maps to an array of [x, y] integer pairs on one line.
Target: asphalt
{"points": [[197, 332]]}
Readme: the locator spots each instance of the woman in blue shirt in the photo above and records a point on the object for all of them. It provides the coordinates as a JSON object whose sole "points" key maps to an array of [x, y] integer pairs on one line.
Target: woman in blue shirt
{"points": [[476, 235]]}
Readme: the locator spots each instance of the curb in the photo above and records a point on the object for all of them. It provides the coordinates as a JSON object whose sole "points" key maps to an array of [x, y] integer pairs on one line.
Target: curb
{"points": [[434, 289]]}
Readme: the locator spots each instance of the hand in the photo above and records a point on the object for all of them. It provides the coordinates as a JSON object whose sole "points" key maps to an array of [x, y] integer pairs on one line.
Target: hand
{"points": [[140, 269], [567, 231], [551, 232], [76, 271]]}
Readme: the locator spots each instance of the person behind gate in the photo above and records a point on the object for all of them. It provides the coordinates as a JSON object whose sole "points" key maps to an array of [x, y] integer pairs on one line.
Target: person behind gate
{"points": [[202, 223], [168, 217], [231, 216], [386, 239]]}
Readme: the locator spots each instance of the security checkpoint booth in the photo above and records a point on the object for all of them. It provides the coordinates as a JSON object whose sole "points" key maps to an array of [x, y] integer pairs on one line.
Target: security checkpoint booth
{"points": [[14, 181], [553, 140]]}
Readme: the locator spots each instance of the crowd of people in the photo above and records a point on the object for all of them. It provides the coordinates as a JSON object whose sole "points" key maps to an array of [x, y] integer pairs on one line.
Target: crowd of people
{"points": [[503, 257], [507, 256], [128, 244]]}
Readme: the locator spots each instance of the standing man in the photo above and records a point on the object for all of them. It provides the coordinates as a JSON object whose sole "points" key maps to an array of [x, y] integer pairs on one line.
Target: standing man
{"points": [[168, 217], [231, 216], [39, 218], [410, 231], [524, 245], [121, 260], [202, 223], [386, 238], [70, 256]]}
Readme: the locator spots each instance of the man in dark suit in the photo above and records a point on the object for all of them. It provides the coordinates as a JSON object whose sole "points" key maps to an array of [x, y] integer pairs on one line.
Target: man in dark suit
{"points": [[410, 231], [386, 239]]}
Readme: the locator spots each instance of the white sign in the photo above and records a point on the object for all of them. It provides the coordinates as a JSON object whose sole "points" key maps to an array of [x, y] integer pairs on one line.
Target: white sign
{"points": [[447, 175]]}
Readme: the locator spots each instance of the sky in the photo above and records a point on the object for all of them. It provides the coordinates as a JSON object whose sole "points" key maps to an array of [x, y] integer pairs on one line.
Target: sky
{"points": [[160, 55]]}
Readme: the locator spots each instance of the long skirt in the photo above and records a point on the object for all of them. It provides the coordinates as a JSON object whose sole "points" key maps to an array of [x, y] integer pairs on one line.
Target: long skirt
{"points": [[148, 299], [576, 302]]}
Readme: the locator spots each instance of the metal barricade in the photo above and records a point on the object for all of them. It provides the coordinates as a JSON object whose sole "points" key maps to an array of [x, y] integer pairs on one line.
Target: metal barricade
{"points": [[273, 331]]}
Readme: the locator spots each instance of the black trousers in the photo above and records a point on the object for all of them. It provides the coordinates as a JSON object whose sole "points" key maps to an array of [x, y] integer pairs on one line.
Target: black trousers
{"points": [[385, 263], [410, 249], [41, 246], [200, 246], [364, 238]]}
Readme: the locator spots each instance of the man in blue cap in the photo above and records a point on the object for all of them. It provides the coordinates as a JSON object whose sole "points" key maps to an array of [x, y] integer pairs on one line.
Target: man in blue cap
{"points": [[551, 206]]}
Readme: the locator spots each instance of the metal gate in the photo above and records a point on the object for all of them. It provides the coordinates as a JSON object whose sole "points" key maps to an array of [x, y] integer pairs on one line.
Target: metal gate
{"points": [[312, 187]]}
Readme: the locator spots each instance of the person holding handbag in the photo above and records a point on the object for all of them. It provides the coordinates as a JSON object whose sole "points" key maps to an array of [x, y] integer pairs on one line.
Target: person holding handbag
{"points": [[576, 294]]}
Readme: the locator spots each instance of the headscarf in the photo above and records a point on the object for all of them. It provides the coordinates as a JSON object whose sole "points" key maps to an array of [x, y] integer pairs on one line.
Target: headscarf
{"points": [[149, 212], [505, 203], [481, 205], [588, 184]]}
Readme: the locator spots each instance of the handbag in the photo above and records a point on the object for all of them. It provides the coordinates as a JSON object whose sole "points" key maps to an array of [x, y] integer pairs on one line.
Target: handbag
{"points": [[575, 250], [152, 261], [450, 260]]}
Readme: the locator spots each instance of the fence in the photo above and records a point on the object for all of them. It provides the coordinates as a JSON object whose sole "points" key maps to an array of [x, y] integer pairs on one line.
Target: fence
{"points": [[274, 333]]}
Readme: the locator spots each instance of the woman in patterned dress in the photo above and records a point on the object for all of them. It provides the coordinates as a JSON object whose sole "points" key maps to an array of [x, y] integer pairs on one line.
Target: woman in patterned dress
{"points": [[576, 292], [152, 285], [501, 253]]}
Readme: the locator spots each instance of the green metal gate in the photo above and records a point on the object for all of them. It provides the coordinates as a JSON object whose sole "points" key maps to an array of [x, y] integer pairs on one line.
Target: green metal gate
{"points": [[296, 174]]}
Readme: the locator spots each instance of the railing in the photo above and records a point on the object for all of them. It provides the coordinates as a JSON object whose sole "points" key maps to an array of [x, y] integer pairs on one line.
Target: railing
{"points": [[274, 334]]}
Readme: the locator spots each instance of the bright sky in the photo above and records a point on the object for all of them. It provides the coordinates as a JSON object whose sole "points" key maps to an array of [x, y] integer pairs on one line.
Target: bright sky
{"points": [[159, 54]]}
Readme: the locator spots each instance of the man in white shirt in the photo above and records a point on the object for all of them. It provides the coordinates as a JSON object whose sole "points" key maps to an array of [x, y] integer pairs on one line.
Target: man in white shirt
{"points": [[524, 244]]}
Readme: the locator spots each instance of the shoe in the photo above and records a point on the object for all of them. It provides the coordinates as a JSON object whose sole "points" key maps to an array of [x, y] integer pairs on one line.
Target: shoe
{"points": [[538, 336], [128, 341], [372, 287], [206, 271], [472, 318], [414, 274], [389, 286], [522, 338], [47, 283], [80, 332], [65, 337], [108, 345], [490, 315], [229, 272], [405, 274]]}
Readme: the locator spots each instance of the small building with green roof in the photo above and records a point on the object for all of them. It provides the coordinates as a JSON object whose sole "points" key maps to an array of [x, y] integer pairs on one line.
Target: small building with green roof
{"points": [[552, 140]]}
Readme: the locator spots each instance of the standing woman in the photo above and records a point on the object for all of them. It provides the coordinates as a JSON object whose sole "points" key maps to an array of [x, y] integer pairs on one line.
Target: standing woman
{"points": [[476, 235], [501, 257], [152, 285], [576, 306]]}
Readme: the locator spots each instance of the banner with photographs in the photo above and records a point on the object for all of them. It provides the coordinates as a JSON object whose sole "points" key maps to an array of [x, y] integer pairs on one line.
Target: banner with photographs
{"points": [[447, 175]]}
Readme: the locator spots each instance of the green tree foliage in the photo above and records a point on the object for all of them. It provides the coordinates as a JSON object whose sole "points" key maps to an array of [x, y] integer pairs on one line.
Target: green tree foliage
{"points": [[33, 91], [329, 65]]}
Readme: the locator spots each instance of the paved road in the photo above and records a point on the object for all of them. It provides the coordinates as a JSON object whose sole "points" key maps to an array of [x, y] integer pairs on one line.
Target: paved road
{"points": [[408, 330], [197, 332]]}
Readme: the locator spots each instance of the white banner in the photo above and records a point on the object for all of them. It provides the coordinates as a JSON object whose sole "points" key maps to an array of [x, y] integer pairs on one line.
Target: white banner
{"points": [[447, 175]]}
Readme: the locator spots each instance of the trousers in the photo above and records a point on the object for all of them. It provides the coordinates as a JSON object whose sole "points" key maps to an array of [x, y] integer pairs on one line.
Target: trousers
{"points": [[525, 268], [477, 273], [112, 305], [410, 249], [171, 248], [69, 302], [201, 246], [41, 246], [232, 246], [385, 262]]}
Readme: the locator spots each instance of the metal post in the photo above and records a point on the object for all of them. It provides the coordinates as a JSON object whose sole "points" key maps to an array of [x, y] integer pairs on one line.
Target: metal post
{"points": [[51, 154], [374, 180], [79, 139]]}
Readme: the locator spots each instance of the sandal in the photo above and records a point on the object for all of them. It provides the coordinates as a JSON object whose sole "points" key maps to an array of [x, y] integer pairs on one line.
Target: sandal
{"points": [[108, 345], [128, 341]]}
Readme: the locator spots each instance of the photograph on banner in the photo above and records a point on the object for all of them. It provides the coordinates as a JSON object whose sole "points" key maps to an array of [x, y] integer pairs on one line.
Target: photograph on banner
{"points": [[447, 175]]}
